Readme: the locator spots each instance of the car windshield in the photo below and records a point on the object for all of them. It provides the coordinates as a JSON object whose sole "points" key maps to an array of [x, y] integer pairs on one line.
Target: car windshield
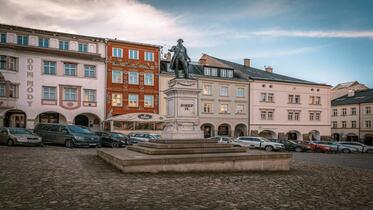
{"points": [[19, 131], [77, 129], [264, 139], [118, 135], [155, 136]]}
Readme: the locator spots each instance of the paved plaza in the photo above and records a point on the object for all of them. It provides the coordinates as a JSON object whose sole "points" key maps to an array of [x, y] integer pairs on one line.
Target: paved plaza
{"points": [[59, 178]]}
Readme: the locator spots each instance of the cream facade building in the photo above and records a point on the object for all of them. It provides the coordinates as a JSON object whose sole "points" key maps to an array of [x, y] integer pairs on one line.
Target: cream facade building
{"points": [[51, 77], [352, 117]]}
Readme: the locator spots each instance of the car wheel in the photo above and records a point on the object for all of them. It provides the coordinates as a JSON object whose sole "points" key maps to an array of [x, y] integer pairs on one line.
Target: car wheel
{"points": [[370, 151], [346, 151], [69, 144], [268, 148], [298, 149], [115, 144], [10, 142]]}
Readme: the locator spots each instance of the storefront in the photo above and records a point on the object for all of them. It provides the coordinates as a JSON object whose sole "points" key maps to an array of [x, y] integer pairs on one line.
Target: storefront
{"points": [[135, 122]]}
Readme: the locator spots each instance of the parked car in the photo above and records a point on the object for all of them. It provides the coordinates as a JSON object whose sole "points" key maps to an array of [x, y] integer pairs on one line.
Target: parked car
{"points": [[359, 146], [291, 145], [222, 139], [19, 136], [142, 137], [113, 139], [258, 142], [322, 146], [68, 135]]}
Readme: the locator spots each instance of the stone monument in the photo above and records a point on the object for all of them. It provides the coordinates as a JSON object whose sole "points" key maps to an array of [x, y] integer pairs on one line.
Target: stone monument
{"points": [[182, 99]]}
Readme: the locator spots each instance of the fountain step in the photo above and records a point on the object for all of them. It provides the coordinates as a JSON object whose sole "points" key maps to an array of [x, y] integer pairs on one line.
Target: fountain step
{"points": [[174, 151]]}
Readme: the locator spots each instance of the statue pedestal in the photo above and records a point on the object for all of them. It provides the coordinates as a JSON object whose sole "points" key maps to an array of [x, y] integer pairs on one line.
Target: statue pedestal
{"points": [[182, 110]]}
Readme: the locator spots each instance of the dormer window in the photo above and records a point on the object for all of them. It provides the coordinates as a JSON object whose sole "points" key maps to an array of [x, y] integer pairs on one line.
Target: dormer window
{"points": [[208, 71], [226, 73]]}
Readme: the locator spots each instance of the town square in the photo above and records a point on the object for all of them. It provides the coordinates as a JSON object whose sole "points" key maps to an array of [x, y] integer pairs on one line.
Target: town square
{"points": [[133, 104]]}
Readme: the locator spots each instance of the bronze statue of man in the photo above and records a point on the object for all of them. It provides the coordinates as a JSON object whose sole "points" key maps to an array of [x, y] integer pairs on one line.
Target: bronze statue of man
{"points": [[180, 60]]}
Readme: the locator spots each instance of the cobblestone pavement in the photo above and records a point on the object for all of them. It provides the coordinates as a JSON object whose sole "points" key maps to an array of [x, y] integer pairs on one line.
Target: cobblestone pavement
{"points": [[61, 178], [356, 160]]}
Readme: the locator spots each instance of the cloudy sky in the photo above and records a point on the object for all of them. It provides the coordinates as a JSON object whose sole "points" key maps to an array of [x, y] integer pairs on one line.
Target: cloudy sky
{"points": [[328, 41]]}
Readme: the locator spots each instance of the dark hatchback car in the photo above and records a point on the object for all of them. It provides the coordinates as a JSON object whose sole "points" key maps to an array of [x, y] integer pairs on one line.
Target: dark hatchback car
{"points": [[68, 135], [113, 139], [295, 146]]}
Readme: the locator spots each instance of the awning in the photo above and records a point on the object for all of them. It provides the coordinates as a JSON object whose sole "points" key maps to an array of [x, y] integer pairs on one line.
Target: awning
{"points": [[137, 117]]}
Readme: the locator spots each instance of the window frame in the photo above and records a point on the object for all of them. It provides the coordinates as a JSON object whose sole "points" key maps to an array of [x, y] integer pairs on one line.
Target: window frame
{"points": [[146, 56], [43, 42], [70, 69], [152, 101], [117, 52], [130, 77], [62, 44], [87, 68], [49, 67], [131, 54], [227, 91], [130, 104], [49, 93], [87, 93], [70, 94], [112, 99], [146, 81]]}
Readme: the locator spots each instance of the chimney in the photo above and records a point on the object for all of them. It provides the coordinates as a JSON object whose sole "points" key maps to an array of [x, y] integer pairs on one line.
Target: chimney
{"points": [[247, 62], [268, 69], [351, 93]]}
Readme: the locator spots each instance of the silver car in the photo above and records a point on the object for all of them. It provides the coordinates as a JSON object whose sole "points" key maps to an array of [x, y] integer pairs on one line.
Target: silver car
{"points": [[19, 136], [359, 146], [222, 139]]}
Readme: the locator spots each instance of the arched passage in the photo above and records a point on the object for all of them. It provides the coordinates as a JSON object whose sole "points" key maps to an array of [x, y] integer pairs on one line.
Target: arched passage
{"points": [[224, 129], [268, 134], [89, 120], [352, 137], [314, 135], [15, 118], [336, 137], [240, 130], [293, 135], [51, 117], [368, 139], [208, 130]]}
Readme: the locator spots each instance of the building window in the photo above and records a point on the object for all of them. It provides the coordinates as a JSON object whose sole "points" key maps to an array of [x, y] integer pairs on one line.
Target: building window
{"points": [[368, 110], [133, 78], [116, 99], [49, 67], [22, 40], [294, 99], [315, 116], [149, 56], [70, 94], [64, 45], [2, 90], [89, 95], [43, 42], [149, 79], [368, 124], [344, 124], [335, 112], [83, 47], [90, 71], [133, 100], [208, 71], [240, 108], [315, 100], [70, 69], [266, 114], [335, 124], [353, 124], [49, 93], [223, 91], [13, 91], [207, 90], [223, 108], [344, 112], [133, 54], [240, 92], [3, 37], [267, 97], [353, 111], [207, 107], [226, 73], [8, 63], [117, 52], [148, 101], [117, 76]]}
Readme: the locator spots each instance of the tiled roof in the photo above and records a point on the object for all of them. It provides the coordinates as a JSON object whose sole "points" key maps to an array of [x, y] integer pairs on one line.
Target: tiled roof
{"points": [[258, 74], [345, 84], [363, 96]]}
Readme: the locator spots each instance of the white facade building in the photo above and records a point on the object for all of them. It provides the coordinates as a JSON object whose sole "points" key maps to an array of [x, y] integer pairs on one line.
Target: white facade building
{"points": [[51, 77]]}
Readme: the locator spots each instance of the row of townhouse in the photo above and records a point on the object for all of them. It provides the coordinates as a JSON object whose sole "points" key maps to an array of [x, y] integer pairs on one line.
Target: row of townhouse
{"points": [[100, 83]]}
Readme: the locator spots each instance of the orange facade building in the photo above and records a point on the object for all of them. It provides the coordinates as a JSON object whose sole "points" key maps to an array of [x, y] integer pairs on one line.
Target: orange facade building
{"points": [[132, 78]]}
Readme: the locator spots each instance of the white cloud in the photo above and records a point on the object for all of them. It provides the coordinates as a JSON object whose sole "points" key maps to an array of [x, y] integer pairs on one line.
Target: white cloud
{"points": [[123, 19], [314, 34]]}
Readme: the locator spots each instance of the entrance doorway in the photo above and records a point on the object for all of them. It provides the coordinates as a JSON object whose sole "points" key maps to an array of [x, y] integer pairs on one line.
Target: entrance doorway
{"points": [[81, 120], [223, 130], [15, 118], [208, 130]]}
